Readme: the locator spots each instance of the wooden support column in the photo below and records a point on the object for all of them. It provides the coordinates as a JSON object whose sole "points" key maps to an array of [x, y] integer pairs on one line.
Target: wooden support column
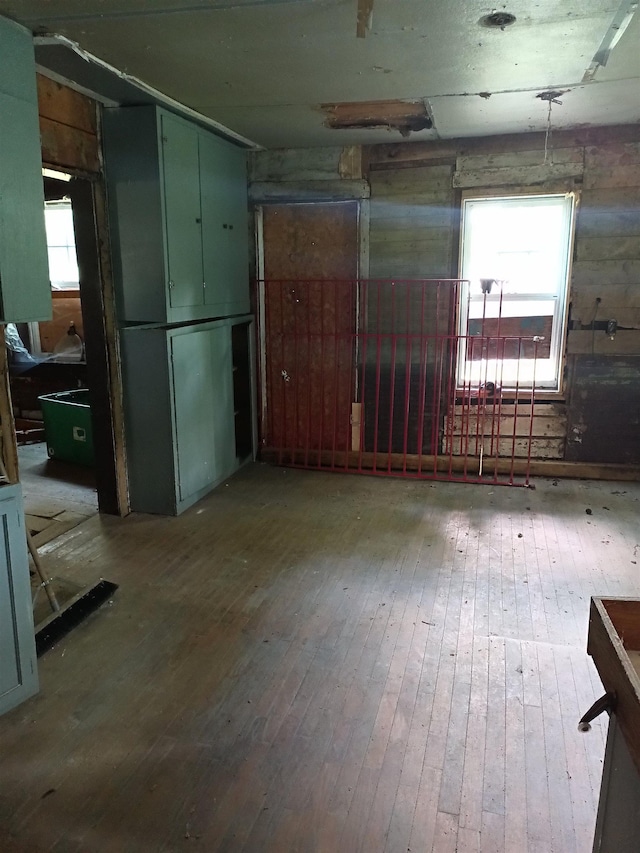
{"points": [[7, 425], [106, 410]]}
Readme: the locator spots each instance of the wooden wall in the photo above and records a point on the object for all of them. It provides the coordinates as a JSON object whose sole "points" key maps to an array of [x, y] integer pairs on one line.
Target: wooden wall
{"points": [[415, 191], [68, 128], [66, 310], [69, 139]]}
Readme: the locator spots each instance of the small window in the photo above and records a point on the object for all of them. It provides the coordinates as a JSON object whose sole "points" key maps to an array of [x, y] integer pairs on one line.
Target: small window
{"points": [[61, 245], [515, 257]]}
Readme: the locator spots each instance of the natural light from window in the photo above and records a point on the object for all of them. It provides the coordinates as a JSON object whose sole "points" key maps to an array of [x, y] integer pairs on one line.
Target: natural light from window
{"points": [[61, 245], [515, 256]]}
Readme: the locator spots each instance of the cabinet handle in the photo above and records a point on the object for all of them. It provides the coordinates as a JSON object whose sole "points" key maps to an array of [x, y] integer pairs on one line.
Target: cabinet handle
{"points": [[171, 284]]}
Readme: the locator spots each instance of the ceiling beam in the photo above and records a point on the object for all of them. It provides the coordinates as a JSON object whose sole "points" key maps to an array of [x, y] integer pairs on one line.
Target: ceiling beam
{"points": [[365, 14], [179, 9]]}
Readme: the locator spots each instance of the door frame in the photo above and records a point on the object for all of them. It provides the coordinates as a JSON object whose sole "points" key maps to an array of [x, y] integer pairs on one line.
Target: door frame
{"points": [[362, 270], [97, 301]]}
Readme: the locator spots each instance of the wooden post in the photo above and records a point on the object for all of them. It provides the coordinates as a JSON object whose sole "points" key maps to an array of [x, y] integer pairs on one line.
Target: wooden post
{"points": [[7, 424]]}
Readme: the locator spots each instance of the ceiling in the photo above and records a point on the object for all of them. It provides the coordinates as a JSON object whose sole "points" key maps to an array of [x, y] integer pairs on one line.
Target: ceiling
{"points": [[264, 67]]}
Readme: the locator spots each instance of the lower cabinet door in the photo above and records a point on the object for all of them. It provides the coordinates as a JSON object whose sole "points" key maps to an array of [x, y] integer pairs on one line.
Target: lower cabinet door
{"points": [[18, 670], [193, 411], [203, 408]]}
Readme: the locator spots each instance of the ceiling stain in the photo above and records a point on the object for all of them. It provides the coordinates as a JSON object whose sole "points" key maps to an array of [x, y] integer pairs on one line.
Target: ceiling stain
{"points": [[404, 116]]}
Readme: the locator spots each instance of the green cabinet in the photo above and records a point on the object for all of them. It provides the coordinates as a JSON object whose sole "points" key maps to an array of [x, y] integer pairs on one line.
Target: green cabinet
{"points": [[25, 291], [179, 218], [180, 415], [18, 670]]}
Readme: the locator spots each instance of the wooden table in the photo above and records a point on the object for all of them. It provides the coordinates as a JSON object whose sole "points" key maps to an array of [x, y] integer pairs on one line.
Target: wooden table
{"points": [[614, 644]]}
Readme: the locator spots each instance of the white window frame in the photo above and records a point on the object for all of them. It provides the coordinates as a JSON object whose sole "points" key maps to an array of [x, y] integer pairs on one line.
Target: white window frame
{"points": [[548, 376]]}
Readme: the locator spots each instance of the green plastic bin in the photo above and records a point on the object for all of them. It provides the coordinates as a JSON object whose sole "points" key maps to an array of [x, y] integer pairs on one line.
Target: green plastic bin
{"points": [[67, 426]]}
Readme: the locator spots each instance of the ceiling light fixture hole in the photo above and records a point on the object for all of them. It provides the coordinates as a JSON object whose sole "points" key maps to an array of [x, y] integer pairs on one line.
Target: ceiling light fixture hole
{"points": [[497, 20]]}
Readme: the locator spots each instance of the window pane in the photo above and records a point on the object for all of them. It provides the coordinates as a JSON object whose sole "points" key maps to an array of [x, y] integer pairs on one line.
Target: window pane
{"points": [[519, 243], [61, 245], [515, 257]]}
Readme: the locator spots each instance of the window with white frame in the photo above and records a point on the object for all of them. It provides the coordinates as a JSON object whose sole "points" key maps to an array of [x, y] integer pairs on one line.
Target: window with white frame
{"points": [[61, 245], [515, 260]]}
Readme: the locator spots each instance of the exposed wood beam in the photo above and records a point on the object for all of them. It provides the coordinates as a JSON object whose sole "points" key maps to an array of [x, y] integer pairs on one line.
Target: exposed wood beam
{"points": [[365, 14]]}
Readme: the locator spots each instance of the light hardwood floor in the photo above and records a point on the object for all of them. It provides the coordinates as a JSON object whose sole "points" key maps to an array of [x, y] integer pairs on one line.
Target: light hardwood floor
{"points": [[321, 662]]}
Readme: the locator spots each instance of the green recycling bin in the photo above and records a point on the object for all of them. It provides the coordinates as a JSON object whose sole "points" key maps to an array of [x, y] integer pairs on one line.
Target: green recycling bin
{"points": [[67, 426]]}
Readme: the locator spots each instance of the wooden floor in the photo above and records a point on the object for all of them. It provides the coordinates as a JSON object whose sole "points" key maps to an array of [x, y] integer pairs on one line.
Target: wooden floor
{"points": [[54, 484], [318, 662]]}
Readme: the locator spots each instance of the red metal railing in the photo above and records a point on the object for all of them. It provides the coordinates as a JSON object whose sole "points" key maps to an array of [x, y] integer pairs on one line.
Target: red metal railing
{"points": [[374, 377]]}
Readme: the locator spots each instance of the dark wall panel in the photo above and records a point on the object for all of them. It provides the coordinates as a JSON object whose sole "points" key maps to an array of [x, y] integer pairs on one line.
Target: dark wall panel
{"points": [[604, 409]]}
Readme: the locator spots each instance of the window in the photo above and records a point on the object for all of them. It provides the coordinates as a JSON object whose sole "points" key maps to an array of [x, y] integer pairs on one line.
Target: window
{"points": [[515, 257], [61, 245]]}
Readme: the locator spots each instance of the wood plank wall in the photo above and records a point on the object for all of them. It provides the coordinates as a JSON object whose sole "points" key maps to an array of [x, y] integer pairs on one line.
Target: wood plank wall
{"points": [[68, 127], [69, 139], [413, 234]]}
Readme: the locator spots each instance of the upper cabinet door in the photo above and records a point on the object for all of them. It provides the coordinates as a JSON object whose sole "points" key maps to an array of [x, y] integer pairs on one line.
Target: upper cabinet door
{"points": [[178, 214], [182, 213], [223, 188], [25, 290]]}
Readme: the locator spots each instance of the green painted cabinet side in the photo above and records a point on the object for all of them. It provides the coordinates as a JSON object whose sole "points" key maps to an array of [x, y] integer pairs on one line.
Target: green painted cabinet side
{"points": [[18, 669], [17, 61], [225, 226], [136, 212], [148, 406], [25, 290]]}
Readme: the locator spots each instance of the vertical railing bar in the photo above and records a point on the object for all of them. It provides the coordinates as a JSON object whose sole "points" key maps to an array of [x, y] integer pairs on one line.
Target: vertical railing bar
{"points": [[336, 387], [500, 359], [513, 441], [533, 394], [283, 437], [422, 379], [452, 396], [435, 355], [354, 302], [454, 365], [297, 374], [268, 408], [323, 369], [378, 356], [307, 441], [467, 405], [408, 372], [500, 341], [393, 373], [364, 331]]}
